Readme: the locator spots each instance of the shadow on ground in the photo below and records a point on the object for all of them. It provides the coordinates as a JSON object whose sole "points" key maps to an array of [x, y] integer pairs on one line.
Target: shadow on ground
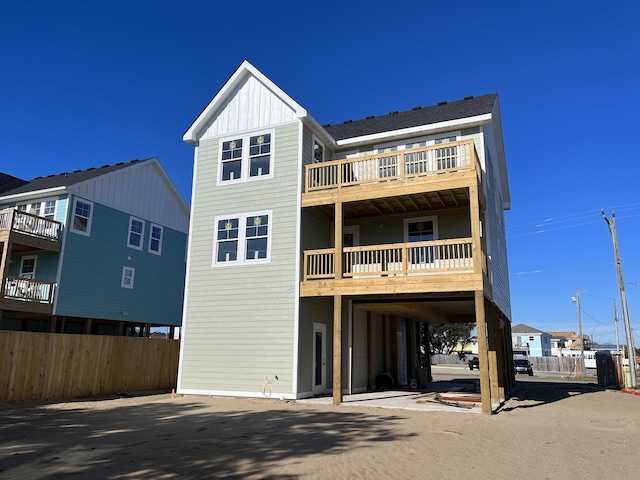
{"points": [[175, 439], [532, 394]]}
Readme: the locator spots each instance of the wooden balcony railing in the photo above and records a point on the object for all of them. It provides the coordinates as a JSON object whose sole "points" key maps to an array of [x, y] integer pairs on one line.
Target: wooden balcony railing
{"points": [[25, 289], [402, 259], [390, 166], [29, 224]]}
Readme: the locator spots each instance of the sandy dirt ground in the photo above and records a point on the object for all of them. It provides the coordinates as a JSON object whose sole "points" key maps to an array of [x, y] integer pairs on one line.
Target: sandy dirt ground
{"points": [[544, 431]]}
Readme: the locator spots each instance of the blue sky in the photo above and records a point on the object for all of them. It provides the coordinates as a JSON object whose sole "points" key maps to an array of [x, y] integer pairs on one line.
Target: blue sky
{"points": [[87, 83]]}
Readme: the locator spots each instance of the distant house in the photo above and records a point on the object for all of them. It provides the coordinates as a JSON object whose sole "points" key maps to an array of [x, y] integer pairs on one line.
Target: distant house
{"points": [[570, 340], [530, 341], [96, 251]]}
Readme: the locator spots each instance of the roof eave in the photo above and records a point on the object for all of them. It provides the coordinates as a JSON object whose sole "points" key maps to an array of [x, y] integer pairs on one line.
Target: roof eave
{"points": [[33, 194], [413, 131]]}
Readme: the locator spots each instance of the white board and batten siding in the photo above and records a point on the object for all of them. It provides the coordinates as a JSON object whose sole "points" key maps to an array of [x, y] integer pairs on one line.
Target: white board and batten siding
{"points": [[239, 323], [252, 106], [143, 190]]}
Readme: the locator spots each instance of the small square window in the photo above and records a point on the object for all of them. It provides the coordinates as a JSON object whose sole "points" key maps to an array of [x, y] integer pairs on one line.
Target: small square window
{"points": [[128, 274]]}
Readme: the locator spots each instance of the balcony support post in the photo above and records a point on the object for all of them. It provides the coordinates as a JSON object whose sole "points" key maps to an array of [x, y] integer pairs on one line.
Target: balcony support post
{"points": [[4, 264], [337, 259], [483, 355], [474, 211]]}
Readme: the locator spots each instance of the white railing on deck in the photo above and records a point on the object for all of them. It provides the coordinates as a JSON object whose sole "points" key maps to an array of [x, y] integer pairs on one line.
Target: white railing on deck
{"points": [[404, 259], [18, 288], [398, 165], [30, 224]]}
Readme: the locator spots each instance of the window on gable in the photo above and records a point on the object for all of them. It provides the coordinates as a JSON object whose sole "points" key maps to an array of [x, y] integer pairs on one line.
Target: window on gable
{"points": [[242, 239], [155, 239], [239, 163], [136, 233], [128, 274], [82, 211]]}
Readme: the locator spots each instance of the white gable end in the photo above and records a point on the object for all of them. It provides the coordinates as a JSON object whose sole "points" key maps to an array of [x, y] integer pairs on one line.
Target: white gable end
{"points": [[251, 106], [141, 190]]}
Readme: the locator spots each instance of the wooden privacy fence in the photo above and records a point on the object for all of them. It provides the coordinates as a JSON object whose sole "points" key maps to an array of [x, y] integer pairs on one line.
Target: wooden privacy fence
{"points": [[55, 366]]}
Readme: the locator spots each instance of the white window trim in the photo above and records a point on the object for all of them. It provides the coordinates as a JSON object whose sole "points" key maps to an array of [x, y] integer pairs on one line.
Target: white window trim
{"points": [[151, 227], [133, 275], [129, 244], [244, 169], [89, 220], [35, 264], [432, 218], [242, 220]]}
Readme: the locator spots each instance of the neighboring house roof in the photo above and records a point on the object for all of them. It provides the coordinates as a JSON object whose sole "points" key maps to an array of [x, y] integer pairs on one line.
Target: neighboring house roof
{"points": [[118, 186], [66, 178], [566, 335], [522, 328], [442, 112], [8, 182]]}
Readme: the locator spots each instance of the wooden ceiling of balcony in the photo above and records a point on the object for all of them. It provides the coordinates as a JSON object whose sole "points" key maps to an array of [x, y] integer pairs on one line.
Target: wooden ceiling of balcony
{"points": [[414, 203]]}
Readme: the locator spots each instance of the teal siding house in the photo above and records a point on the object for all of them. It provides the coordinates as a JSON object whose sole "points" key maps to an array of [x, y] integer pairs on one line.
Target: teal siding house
{"points": [[320, 254], [96, 251]]}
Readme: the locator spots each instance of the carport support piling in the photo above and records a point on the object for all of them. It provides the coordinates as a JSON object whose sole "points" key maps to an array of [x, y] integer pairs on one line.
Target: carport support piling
{"points": [[483, 357]]}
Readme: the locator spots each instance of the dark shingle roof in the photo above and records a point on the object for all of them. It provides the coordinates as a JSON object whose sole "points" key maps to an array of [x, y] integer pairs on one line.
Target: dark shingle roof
{"points": [[469, 107], [67, 178], [522, 328], [7, 182]]}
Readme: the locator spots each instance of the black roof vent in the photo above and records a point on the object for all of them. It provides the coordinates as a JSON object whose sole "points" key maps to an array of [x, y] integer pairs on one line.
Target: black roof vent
{"points": [[470, 97], [135, 161], [76, 171], [416, 108], [370, 117], [347, 121], [52, 175], [91, 168], [104, 166], [442, 103], [38, 178], [327, 125], [395, 112], [120, 163]]}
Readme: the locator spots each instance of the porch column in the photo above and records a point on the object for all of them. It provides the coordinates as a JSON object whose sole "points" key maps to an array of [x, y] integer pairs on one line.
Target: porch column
{"points": [[337, 349], [4, 264], [483, 357], [474, 216], [494, 368], [337, 262]]}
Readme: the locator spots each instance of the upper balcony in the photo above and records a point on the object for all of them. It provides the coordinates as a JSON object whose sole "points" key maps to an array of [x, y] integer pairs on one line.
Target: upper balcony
{"points": [[27, 231], [420, 172]]}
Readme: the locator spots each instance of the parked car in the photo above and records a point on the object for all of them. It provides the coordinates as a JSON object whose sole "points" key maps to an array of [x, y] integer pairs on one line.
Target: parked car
{"points": [[474, 363], [523, 365]]}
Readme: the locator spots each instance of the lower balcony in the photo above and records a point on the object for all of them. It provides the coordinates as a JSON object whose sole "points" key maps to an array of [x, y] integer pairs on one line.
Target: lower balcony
{"points": [[441, 265], [27, 295]]}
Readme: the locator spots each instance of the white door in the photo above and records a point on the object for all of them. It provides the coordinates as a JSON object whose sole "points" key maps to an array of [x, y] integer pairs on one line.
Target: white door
{"points": [[319, 358]]}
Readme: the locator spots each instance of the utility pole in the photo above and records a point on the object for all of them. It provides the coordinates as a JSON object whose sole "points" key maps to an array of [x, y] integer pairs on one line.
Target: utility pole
{"points": [[615, 321], [576, 300], [631, 351]]}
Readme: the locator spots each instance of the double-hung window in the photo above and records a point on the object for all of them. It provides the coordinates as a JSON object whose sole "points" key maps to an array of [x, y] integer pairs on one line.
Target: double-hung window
{"points": [[242, 239], [136, 233], [82, 213], [246, 158], [155, 239]]}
